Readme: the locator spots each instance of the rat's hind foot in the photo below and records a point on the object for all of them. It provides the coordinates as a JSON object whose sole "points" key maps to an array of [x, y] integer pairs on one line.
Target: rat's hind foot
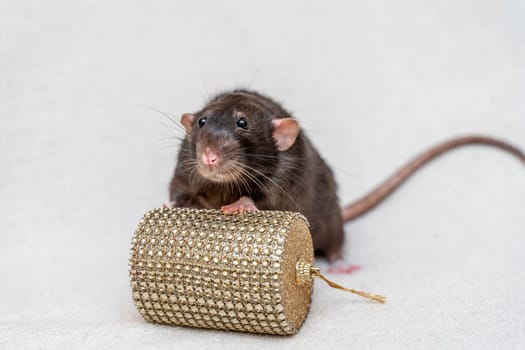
{"points": [[239, 207], [341, 266]]}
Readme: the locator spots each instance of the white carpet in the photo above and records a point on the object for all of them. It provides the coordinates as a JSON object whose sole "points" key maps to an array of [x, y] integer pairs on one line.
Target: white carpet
{"points": [[84, 153]]}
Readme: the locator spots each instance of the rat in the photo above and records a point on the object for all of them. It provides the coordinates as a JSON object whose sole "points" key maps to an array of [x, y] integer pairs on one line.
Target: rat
{"points": [[243, 151]]}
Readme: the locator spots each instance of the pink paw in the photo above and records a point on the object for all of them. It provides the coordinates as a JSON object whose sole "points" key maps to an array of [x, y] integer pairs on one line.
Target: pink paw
{"points": [[341, 266], [239, 207]]}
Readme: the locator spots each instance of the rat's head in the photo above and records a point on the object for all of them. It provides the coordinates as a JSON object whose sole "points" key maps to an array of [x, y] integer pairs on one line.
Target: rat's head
{"points": [[238, 136]]}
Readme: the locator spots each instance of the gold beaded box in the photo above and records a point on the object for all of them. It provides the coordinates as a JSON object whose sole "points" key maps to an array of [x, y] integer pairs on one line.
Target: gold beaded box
{"points": [[241, 272]]}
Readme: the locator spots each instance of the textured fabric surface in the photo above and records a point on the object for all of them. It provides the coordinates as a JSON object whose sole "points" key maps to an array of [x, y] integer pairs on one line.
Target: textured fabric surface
{"points": [[84, 152]]}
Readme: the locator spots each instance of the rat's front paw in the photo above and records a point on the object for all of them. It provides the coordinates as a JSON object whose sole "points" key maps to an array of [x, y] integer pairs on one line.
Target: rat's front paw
{"points": [[240, 206]]}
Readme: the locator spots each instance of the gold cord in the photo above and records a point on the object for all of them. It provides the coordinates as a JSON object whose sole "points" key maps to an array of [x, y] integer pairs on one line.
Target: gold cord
{"points": [[374, 297], [306, 272]]}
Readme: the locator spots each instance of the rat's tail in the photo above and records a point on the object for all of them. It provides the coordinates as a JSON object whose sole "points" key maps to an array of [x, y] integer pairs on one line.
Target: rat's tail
{"points": [[372, 199]]}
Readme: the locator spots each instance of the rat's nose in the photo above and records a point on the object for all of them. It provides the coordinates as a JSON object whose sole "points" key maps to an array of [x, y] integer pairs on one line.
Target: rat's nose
{"points": [[210, 157]]}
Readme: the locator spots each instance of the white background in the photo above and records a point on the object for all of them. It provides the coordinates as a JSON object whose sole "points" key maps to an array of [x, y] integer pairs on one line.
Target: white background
{"points": [[84, 153]]}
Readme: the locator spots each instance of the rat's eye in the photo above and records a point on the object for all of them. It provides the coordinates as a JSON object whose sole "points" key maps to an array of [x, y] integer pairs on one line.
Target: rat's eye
{"points": [[202, 121], [242, 123]]}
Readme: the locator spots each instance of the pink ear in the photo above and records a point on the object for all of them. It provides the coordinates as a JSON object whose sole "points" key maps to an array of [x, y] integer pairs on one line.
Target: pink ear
{"points": [[187, 120], [285, 131]]}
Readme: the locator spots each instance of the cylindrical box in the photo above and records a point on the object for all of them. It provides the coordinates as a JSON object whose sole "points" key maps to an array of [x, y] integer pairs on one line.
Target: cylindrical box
{"points": [[202, 268]]}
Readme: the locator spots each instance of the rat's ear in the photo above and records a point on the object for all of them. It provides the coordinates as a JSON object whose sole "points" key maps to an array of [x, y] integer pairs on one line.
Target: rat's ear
{"points": [[285, 131], [187, 120]]}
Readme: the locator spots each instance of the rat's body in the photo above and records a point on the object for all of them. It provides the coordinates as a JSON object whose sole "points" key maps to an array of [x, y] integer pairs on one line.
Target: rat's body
{"points": [[243, 151], [295, 179]]}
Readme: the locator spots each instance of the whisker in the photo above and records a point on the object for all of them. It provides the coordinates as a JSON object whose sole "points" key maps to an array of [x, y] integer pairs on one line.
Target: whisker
{"points": [[203, 80], [253, 78], [247, 177], [278, 187], [261, 186], [170, 118], [171, 138]]}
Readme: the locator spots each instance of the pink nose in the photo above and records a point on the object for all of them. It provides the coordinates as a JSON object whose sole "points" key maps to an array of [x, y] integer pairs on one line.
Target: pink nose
{"points": [[209, 157]]}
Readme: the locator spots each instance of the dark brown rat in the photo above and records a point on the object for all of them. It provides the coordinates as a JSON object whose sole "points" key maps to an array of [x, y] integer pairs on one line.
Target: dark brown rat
{"points": [[244, 151], [243, 144]]}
